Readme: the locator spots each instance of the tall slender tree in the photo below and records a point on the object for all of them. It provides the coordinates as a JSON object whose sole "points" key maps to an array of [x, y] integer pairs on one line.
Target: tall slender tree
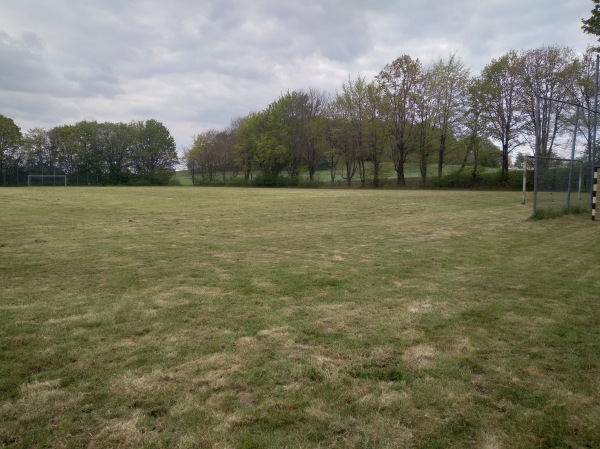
{"points": [[503, 99], [353, 100], [550, 74], [317, 103], [64, 140], [38, 155], [449, 85], [426, 132], [398, 82], [377, 139], [584, 94], [476, 125]]}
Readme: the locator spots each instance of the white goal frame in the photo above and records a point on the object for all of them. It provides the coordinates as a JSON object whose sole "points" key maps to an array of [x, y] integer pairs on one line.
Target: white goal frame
{"points": [[42, 177]]}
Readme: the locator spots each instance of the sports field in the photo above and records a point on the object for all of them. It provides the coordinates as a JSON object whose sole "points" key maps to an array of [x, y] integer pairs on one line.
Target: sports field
{"points": [[182, 317]]}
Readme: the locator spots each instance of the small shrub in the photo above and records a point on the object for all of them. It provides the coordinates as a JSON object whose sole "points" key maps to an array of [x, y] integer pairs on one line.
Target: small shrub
{"points": [[238, 181], [270, 181]]}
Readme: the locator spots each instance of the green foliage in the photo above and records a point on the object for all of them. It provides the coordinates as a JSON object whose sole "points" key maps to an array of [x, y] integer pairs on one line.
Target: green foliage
{"points": [[397, 80], [592, 24], [97, 153], [247, 133], [10, 140], [211, 155], [513, 180], [271, 180], [271, 157], [155, 153]]}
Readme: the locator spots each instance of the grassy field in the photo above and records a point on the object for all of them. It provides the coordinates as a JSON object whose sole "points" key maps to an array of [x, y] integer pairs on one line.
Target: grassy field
{"points": [[253, 318]]}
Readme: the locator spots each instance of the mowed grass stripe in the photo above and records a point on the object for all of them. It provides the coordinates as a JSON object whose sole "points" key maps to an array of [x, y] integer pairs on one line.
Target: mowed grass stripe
{"points": [[238, 318]]}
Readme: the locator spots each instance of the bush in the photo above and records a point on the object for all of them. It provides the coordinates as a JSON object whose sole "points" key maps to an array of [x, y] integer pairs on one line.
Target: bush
{"points": [[494, 180], [270, 181], [238, 181]]}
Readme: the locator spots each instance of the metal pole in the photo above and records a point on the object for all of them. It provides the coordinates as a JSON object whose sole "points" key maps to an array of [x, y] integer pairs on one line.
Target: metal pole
{"points": [[572, 161], [593, 153], [524, 179], [537, 150], [589, 123], [594, 191], [580, 178]]}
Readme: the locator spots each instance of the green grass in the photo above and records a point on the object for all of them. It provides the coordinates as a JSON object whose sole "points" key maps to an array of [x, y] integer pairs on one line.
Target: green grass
{"points": [[269, 318], [183, 177]]}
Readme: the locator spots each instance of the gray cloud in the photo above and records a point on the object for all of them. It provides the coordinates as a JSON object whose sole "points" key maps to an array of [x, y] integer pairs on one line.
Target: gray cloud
{"points": [[21, 67]]}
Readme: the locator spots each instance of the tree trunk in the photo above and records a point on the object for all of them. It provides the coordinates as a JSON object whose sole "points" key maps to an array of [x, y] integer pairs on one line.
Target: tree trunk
{"points": [[401, 181], [333, 168], [423, 169], [375, 173], [504, 161], [441, 152]]}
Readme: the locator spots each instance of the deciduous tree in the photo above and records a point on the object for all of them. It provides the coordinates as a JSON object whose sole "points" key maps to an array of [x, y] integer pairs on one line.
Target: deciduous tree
{"points": [[449, 80], [591, 25], [247, 133], [64, 141], [317, 103], [476, 125], [352, 104], [377, 138], [37, 150], [584, 94], [548, 73], [503, 99], [426, 131], [10, 140], [155, 153], [398, 81]]}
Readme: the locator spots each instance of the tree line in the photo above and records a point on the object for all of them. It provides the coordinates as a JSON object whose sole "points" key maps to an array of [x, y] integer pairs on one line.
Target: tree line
{"points": [[88, 152], [430, 115]]}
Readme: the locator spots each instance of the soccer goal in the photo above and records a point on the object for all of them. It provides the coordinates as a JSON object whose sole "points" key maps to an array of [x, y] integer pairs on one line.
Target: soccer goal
{"points": [[560, 184], [47, 180]]}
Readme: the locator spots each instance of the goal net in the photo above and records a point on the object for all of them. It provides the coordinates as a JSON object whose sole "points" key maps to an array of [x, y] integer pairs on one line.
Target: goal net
{"points": [[561, 184], [47, 180]]}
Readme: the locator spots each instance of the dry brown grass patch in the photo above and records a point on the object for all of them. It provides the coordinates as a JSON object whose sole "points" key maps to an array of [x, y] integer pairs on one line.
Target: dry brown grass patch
{"points": [[420, 356]]}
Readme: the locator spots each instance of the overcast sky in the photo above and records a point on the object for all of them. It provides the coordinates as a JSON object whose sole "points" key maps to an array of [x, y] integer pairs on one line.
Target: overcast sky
{"points": [[195, 65]]}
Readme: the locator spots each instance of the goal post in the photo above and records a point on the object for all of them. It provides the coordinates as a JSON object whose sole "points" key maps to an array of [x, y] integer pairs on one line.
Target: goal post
{"points": [[552, 176], [595, 191], [46, 180]]}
